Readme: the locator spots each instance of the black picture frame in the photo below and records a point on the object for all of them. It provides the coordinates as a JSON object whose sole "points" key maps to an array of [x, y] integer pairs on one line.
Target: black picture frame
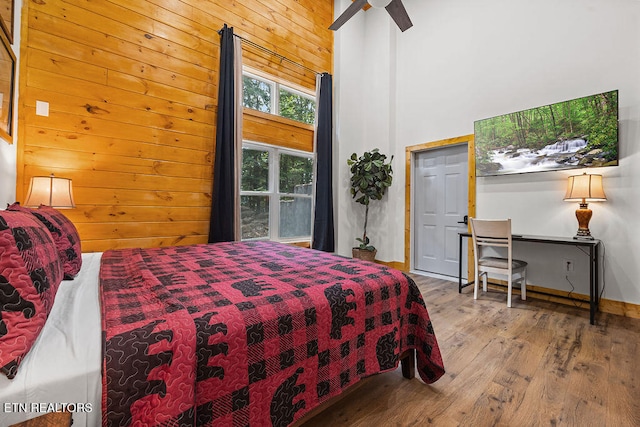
{"points": [[7, 8], [7, 83]]}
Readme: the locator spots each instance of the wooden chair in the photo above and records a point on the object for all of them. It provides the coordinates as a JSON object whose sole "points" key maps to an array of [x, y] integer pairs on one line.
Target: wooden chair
{"points": [[497, 234]]}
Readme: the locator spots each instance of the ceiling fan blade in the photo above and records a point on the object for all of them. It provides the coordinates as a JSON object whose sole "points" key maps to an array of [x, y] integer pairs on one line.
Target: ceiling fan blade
{"points": [[399, 14], [347, 14]]}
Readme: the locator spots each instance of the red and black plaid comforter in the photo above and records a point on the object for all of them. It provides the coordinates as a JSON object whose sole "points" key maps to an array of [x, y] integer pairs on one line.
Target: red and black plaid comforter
{"points": [[254, 333]]}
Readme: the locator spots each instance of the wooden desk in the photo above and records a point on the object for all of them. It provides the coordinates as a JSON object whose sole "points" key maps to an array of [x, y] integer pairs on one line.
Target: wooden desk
{"points": [[592, 245]]}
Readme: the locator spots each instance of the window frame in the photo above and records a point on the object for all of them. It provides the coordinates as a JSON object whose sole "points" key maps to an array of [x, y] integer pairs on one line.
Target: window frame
{"points": [[295, 92], [274, 91], [273, 190], [276, 85]]}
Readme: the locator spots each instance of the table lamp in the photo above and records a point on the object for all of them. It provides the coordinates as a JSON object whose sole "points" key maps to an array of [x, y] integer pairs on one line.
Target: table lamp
{"points": [[50, 191], [583, 188]]}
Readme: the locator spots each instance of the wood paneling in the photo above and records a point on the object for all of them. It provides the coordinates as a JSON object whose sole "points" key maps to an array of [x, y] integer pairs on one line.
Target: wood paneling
{"points": [[263, 127], [132, 93]]}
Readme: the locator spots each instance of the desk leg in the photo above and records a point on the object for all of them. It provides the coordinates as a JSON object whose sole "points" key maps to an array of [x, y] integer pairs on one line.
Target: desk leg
{"points": [[594, 279], [459, 263], [596, 257], [593, 283]]}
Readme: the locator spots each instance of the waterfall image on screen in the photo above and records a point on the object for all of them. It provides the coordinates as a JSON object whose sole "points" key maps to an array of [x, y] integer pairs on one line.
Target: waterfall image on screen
{"points": [[579, 133]]}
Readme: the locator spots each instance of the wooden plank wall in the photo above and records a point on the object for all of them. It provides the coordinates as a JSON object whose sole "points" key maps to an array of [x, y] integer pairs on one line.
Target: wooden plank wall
{"points": [[132, 93]]}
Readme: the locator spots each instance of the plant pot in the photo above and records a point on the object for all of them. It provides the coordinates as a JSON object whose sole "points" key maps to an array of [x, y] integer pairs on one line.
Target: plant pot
{"points": [[364, 254]]}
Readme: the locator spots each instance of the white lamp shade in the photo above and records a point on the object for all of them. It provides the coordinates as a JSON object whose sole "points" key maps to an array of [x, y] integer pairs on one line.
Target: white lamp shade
{"points": [[50, 191], [587, 187], [379, 3]]}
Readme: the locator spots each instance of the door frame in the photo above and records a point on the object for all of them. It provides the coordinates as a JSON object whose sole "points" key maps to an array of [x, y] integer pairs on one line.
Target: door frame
{"points": [[410, 154]]}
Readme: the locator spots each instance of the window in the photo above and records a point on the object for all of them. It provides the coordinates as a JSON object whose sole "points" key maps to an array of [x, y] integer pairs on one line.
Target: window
{"points": [[272, 97], [296, 105], [275, 193], [257, 93]]}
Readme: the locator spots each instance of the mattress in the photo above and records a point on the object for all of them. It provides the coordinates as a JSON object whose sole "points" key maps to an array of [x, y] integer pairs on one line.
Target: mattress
{"points": [[63, 368]]}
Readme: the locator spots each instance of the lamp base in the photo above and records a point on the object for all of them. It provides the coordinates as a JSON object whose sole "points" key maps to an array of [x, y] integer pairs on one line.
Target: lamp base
{"points": [[583, 214], [583, 238]]}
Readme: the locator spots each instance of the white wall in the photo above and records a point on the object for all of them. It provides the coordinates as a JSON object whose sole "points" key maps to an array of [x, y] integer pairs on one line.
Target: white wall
{"points": [[365, 120], [466, 60], [8, 151]]}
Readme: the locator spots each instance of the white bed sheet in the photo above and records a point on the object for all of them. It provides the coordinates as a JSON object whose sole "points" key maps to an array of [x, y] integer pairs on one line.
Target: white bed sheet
{"points": [[64, 365]]}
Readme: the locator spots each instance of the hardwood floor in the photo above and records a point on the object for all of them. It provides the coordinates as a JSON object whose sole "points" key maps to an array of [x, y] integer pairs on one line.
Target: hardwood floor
{"points": [[537, 364]]}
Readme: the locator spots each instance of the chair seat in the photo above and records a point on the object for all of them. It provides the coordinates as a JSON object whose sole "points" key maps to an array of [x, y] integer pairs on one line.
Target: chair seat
{"points": [[494, 262]]}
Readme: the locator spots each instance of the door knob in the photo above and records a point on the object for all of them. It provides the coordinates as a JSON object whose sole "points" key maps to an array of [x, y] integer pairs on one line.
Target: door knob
{"points": [[465, 221]]}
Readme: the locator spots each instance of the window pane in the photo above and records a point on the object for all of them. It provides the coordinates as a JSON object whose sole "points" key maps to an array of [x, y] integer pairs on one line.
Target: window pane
{"points": [[254, 216], [296, 174], [297, 107], [295, 217], [256, 94], [255, 170]]}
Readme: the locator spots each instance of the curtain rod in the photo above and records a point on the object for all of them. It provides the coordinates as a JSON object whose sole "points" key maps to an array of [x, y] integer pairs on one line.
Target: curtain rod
{"points": [[282, 58]]}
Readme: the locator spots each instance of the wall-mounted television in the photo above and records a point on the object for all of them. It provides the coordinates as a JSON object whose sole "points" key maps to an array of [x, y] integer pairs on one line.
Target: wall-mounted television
{"points": [[580, 133]]}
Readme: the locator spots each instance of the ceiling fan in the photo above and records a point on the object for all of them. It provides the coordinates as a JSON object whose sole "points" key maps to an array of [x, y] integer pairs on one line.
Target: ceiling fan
{"points": [[395, 8]]}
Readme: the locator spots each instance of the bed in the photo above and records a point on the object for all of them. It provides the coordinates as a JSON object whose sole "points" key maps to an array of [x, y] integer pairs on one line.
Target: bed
{"points": [[238, 333]]}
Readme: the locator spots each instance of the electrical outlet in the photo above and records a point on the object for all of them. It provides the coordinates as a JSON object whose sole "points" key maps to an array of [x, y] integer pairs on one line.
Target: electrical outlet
{"points": [[567, 265]]}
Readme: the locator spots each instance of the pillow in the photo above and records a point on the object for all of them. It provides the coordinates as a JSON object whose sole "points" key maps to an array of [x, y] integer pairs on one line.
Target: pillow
{"points": [[64, 233], [30, 273]]}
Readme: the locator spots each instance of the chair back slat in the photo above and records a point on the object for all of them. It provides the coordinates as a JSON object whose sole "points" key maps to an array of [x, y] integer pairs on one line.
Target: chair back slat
{"points": [[488, 241], [491, 233], [491, 228]]}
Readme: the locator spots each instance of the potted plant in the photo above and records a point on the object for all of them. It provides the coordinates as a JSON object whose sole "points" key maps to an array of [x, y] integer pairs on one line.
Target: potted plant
{"points": [[370, 178]]}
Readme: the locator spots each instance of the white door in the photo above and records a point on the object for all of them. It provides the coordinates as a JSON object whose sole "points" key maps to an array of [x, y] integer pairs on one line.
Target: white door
{"points": [[440, 208]]}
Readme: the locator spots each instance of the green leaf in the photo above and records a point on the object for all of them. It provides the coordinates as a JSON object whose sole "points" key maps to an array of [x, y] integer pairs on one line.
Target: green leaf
{"points": [[370, 178]]}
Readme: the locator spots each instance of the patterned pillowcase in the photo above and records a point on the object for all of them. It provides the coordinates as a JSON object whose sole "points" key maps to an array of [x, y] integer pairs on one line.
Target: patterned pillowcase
{"points": [[30, 273], [64, 233]]}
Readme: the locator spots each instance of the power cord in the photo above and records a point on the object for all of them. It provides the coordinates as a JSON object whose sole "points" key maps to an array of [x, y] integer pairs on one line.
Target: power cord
{"points": [[573, 288], [604, 283]]}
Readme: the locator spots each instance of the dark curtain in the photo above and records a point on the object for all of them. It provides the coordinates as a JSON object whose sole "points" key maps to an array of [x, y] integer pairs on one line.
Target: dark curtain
{"points": [[222, 222], [323, 237]]}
